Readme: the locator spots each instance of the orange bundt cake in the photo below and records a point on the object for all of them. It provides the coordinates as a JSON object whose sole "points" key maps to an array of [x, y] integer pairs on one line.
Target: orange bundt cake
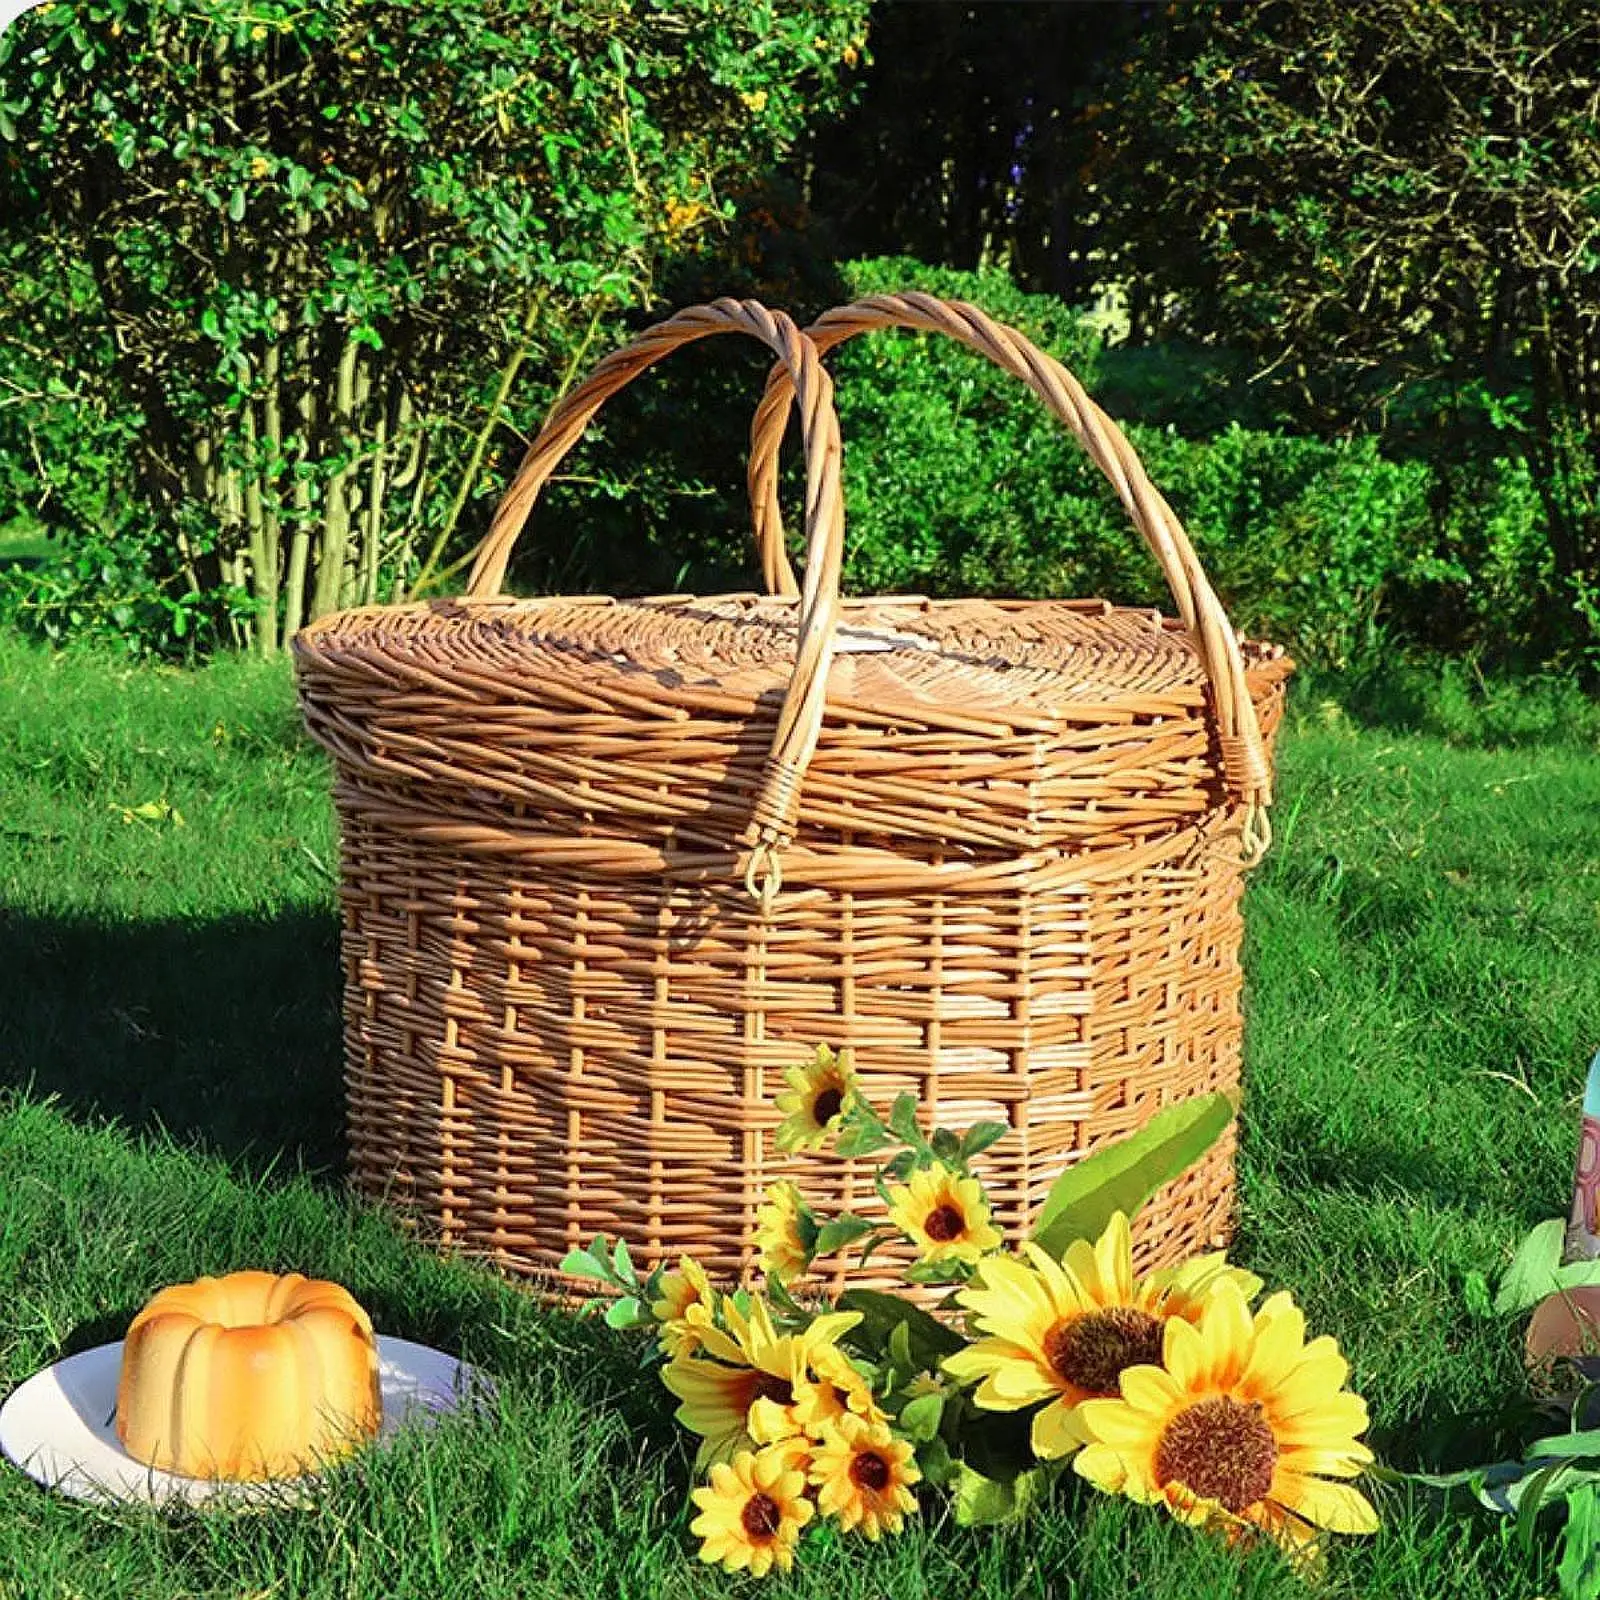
{"points": [[248, 1376]]}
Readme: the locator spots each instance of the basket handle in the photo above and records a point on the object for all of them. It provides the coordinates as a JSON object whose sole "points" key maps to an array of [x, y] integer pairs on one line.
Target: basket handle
{"points": [[800, 717], [1244, 758]]}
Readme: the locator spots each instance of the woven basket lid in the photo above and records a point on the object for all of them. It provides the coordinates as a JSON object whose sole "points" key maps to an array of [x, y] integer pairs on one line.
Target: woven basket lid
{"points": [[1011, 665], [1011, 725]]}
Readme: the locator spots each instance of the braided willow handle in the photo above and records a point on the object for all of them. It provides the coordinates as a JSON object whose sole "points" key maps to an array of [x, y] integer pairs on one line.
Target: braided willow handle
{"points": [[1244, 757], [800, 717]]}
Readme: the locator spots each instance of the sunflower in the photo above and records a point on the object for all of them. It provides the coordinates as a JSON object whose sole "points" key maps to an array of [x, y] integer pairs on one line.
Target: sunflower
{"points": [[1064, 1331], [818, 1095], [863, 1476], [752, 1511], [1243, 1424], [944, 1215], [687, 1305], [746, 1392], [830, 1389], [785, 1233]]}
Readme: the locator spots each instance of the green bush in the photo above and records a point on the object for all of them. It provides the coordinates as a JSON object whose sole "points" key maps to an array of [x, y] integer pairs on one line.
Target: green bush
{"points": [[958, 481], [340, 251]]}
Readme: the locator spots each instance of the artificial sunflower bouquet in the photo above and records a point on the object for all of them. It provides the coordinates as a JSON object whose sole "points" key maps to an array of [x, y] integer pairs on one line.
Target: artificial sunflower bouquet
{"points": [[1171, 1387]]}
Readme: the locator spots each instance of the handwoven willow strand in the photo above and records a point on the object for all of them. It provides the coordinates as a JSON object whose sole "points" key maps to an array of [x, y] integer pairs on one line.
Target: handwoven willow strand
{"points": [[1244, 759], [800, 717]]}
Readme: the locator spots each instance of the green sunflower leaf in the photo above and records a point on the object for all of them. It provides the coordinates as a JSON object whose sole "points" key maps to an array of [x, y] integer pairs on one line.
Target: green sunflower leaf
{"points": [[903, 1119], [899, 1168], [919, 1419], [938, 1466], [1123, 1175], [900, 1356], [980, 1136], [625, 1313], [930, 1340], [937, 1272], [861, 1139], [623, 1263], [580, 1264], [1566, 1446], [841, 1231]]}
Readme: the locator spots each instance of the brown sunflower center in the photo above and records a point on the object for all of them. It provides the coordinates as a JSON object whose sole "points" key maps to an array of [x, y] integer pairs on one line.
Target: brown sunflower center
{"points": [[761, 1516], [1093, 1351], [1220, 1449], [944, 1224], [827, 1105], [870, 1471], [769, 1386]]}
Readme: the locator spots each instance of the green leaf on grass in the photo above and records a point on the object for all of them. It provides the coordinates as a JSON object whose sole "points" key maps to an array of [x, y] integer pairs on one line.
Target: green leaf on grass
{"points": [[981, 1502], [1579, 1571], [1532, 1273], [1122, 1176], [1568, 1446]]}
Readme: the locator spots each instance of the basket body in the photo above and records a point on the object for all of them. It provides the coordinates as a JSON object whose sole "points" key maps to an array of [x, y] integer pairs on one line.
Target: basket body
{"points": [[1012, 889]]}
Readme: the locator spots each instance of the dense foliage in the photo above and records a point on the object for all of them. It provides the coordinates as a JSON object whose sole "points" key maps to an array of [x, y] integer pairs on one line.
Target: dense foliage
{"points": [[958, 482], [266, 361], [1395, 207], [300, 257]]}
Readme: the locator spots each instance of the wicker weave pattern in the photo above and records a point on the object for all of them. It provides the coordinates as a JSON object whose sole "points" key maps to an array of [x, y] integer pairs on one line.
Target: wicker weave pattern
{"points": [[1010, 872]]}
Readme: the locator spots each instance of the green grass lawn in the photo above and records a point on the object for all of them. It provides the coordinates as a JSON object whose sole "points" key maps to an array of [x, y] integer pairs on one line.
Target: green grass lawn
{"points": [[1424, 995]]}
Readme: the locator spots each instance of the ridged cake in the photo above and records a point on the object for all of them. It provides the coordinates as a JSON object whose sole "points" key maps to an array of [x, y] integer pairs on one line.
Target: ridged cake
{"points": [[248, 1376]]}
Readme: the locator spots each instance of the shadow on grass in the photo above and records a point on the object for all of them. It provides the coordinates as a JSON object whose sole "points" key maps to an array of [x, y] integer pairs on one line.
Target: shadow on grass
{"points": [[226, 1034]]}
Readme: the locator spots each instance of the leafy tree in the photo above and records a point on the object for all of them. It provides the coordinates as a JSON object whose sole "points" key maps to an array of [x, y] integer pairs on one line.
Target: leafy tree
{"points": [[1396, 207], [316, 247]]}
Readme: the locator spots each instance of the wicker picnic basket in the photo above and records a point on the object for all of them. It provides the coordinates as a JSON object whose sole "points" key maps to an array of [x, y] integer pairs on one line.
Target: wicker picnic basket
{"points": [[611, 866]]}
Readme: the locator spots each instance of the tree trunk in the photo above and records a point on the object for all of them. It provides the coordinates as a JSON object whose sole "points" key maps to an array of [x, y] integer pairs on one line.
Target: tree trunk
{"points": [[329, 590]]}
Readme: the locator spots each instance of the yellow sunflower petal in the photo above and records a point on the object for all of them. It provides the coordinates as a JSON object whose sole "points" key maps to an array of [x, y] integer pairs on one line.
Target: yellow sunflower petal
{"points": [[1008, 1294], [1183, 1354], [1280, 1330], [1056, 1431], [1334, 1421], [1101, 1466], [1334, 1506], [1117, 1424], [1151, 1389], [1344, 1461], [1062, 1292], [1017, 1382], [1227, 1334], [1084, 1271], [1113, 1259], [714, 1342]]}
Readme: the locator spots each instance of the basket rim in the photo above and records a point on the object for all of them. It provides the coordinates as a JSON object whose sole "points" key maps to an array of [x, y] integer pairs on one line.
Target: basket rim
{"points": [[471, 639]]}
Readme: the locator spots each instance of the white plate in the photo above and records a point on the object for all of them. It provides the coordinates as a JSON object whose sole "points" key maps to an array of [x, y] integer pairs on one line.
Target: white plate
{"points": [[60, 1426]]}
